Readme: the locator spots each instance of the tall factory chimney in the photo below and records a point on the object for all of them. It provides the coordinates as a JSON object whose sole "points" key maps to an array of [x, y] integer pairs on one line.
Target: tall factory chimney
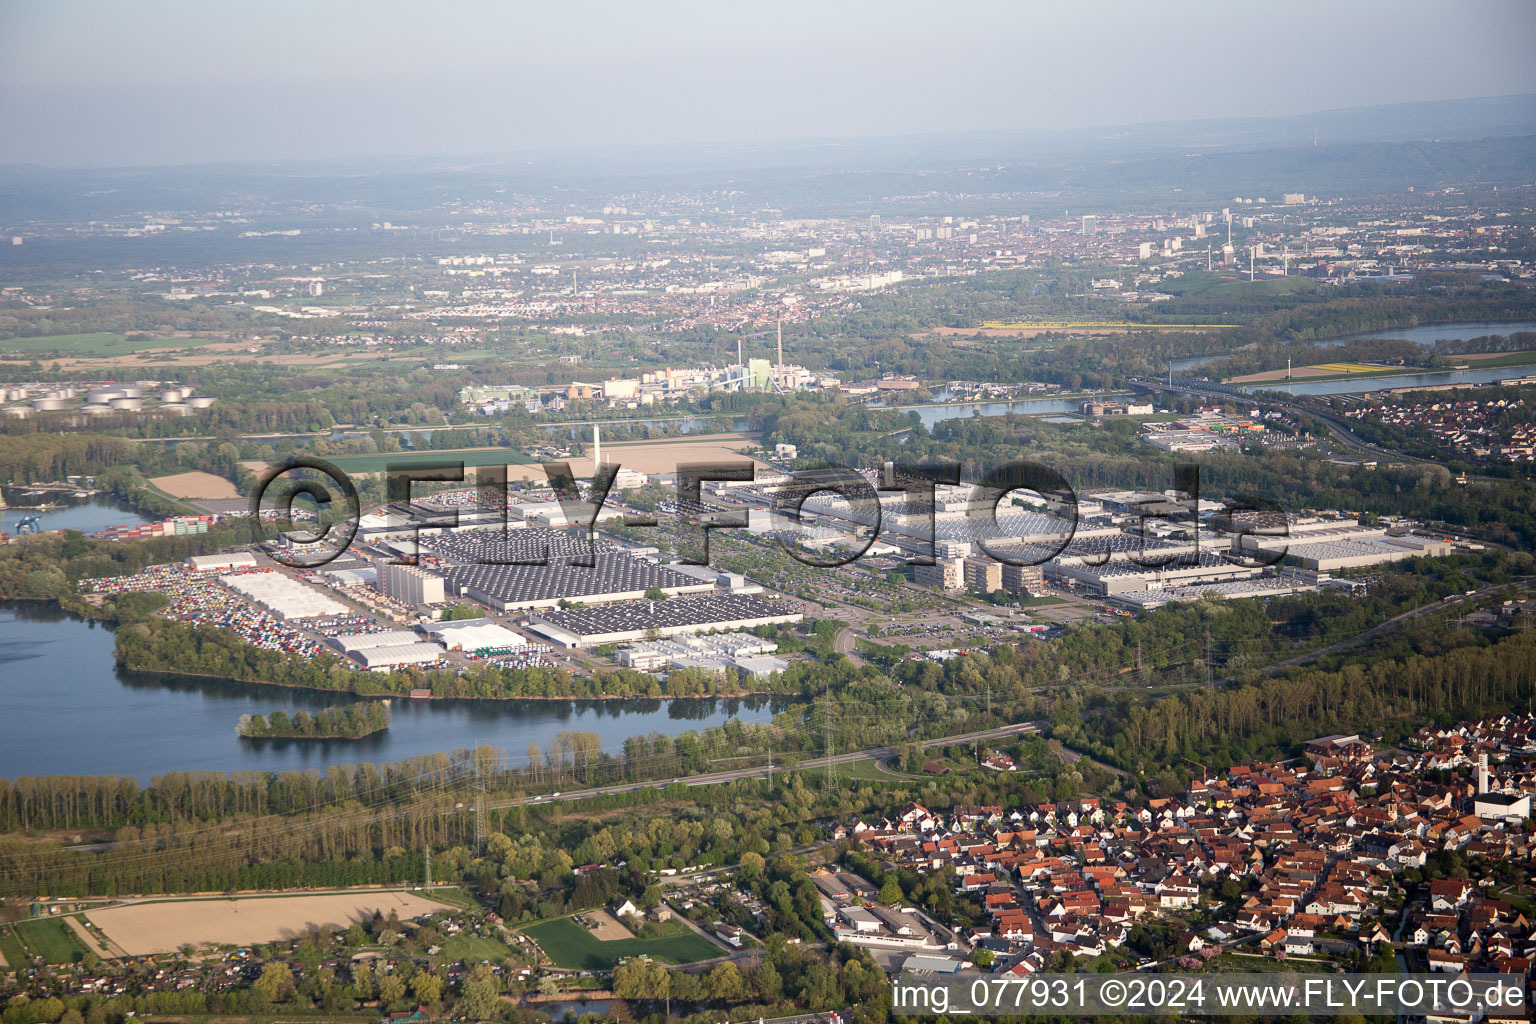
{"points": [[597, 449]]}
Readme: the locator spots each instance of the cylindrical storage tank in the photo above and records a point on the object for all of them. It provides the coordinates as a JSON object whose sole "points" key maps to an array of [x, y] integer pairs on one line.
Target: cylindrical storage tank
{"points": [[62, 393], [95, 410], [49, 404], [173, 395], [127, 404], [101, 396], [20, 412], [176, 408], [201, 402], [133, 392]]}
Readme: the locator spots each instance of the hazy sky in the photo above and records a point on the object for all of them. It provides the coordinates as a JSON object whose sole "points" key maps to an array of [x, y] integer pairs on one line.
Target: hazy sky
{"points": [[163, 81]]}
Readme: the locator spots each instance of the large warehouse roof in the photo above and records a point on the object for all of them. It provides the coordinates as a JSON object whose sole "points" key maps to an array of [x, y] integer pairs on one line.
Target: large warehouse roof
{"points": [[478, 636], [238, 560], [614, 577], [350, 642], [579, 627], [284, 596], [398, 655]]}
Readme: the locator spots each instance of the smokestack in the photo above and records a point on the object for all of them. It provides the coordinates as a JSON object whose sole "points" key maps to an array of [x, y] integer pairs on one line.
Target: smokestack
{"points": [[780, 367], [1482, 773], [597, 449]]}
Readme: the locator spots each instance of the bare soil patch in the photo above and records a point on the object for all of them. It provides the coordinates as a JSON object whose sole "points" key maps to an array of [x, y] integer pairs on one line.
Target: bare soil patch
{"points": [[144, 928], [605, 927], [196, 485]]}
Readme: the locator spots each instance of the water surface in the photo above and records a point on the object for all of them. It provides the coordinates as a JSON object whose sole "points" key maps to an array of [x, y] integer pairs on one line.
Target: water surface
{"points": [[68, 709]]}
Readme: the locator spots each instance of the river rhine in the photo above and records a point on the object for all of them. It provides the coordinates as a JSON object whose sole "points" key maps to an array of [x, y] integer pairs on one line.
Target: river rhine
{"points": [[68, 710]]}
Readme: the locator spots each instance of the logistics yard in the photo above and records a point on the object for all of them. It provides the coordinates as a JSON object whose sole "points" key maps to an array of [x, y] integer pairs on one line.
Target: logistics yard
{"points": [[141, 929]]}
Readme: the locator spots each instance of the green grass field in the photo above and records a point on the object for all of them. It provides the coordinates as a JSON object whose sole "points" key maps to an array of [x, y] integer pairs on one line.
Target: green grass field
{"points": [[865, 770], [51, 939], [406, 460], [568, 944], [453, 897], [11, 950], [475, 948], [100, 343]]}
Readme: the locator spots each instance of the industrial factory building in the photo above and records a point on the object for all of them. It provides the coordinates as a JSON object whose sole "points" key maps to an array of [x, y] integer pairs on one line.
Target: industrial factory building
{"points": [[410, 585], [1121, 575], [649, 620], [613, 577], [473, 565], [718, 653]]}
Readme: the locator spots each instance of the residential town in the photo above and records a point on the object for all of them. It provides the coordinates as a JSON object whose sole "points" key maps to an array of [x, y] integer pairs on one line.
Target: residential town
{"points": [[1346, 852], [1499, 429]]}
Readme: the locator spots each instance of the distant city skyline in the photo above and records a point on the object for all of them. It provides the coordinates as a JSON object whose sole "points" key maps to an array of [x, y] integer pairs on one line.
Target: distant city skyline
{"points": [[85, 82]]}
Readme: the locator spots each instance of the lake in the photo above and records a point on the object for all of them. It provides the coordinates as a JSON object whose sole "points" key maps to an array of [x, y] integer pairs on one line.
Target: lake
{"points": [[70, 710], [88, 515], [1428, 334]]}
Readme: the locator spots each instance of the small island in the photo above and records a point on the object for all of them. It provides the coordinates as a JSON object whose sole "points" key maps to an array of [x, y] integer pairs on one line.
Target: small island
{"points": [[352, 722]]}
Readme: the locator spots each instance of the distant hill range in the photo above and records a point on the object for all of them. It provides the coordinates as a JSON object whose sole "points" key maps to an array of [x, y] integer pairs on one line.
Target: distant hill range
{"points": [[1474, 142]]}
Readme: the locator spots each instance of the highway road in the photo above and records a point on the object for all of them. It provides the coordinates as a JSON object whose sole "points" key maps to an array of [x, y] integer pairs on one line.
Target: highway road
{"points": [[1337, 426]]}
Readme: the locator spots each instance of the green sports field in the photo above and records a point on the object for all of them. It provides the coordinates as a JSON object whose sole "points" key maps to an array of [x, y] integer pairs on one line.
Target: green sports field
{"points": [[568, 944], [100, 343], [51, 939]]}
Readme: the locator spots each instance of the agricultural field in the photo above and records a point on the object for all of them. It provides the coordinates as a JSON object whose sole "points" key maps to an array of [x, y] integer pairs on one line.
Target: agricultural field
{"points": [[50, 938], [163, 927], [97, 345], [570, 945]]}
